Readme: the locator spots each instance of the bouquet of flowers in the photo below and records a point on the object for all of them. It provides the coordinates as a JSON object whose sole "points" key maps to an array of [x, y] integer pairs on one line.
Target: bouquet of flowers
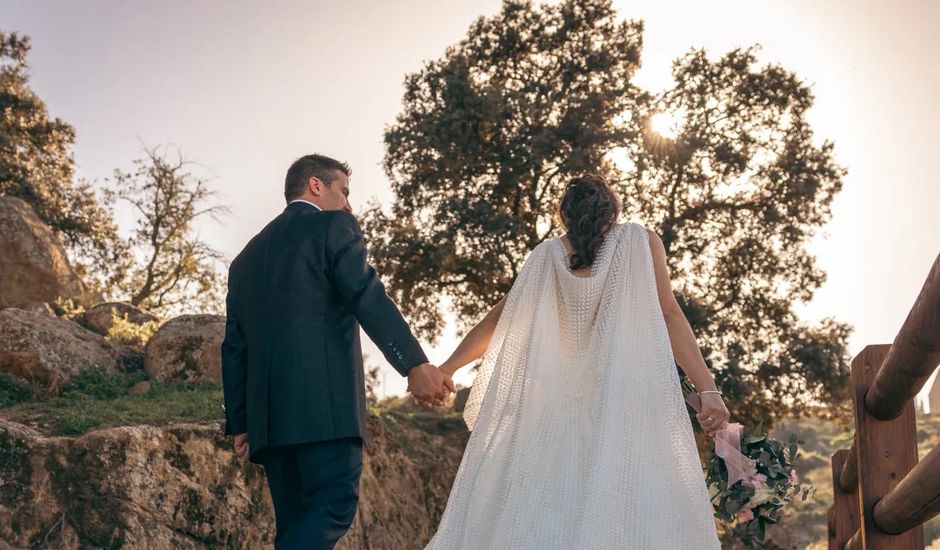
{"points": [[750, 475]]}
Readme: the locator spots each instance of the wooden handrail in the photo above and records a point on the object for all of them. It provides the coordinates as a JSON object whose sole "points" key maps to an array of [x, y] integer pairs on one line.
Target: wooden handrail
{"points": [[882, 495], [914, 500], [844, 515], [913, 355], [848, 479]]}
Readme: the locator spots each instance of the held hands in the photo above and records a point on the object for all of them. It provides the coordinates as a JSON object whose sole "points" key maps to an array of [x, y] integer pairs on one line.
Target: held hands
{"points": [[430, 386], [713, 413]]}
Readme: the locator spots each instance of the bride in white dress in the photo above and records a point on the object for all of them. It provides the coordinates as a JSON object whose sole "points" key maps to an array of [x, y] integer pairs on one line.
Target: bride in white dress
{"points": [[580, 436]]}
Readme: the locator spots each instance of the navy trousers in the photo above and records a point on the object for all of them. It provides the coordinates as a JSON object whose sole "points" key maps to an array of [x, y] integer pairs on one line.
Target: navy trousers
{"points": [[315, 490]]}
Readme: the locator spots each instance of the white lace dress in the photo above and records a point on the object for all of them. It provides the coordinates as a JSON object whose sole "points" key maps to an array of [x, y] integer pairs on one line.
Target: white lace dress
{"points": [[580, 436]]}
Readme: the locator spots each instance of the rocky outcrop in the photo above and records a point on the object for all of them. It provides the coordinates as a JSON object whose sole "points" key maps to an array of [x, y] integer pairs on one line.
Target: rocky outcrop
{"points": [[47, 350], [187, 349], [131, 487], [181, 486], [100, 317], [34, 268]]}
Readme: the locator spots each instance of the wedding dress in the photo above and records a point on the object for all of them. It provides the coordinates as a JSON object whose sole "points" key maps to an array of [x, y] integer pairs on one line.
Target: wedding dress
{"points": [[580, 436]]}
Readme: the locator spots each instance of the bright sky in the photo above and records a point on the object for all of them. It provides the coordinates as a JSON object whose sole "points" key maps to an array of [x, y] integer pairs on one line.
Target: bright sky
{"points": [[246, 87]]}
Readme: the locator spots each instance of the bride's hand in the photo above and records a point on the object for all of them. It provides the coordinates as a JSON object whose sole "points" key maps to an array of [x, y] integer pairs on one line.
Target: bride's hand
{"points": [[713, 413], [439, 399], [447, 369]]}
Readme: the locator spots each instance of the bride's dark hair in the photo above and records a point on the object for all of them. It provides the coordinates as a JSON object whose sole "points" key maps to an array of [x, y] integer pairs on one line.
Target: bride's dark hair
{"points": [[588, 208]]}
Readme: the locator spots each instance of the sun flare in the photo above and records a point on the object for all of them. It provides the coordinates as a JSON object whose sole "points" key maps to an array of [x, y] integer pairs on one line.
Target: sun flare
{"points": [[666, 124]]}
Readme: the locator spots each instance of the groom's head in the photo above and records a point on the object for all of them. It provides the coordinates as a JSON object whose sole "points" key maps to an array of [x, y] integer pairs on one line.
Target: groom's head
{"points": [[320, 180]]}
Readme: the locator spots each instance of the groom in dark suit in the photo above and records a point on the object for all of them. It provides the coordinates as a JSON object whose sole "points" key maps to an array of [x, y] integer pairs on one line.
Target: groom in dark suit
{"points": [[292, 368]]}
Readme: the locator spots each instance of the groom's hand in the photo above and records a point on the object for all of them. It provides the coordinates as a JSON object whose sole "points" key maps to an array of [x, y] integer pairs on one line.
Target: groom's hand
{"points": [[429, 385], [438, 401], [241, 445]]}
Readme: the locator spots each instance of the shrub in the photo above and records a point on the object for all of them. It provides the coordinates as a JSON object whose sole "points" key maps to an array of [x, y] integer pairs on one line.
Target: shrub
{"points": [[70, 308], [97, 383], [13, 390], [125, 332]]}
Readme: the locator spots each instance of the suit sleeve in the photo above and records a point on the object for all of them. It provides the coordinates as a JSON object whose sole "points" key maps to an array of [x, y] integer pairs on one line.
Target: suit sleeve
{"points": [[234, 371], [360, 287]]}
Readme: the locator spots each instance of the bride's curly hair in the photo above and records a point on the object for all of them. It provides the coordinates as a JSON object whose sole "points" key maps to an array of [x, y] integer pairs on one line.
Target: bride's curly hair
{"points": [[588, 208]]}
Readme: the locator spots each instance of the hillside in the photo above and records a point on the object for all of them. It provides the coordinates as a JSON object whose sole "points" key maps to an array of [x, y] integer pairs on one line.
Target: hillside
{"points": [[74, 473]]}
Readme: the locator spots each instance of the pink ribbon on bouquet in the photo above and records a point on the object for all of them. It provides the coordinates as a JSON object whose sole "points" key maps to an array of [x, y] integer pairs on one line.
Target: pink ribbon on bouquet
{"points": [[728, 446]]}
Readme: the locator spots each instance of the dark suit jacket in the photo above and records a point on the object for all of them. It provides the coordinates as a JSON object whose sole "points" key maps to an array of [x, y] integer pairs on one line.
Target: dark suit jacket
{"points": [[291, 360]]}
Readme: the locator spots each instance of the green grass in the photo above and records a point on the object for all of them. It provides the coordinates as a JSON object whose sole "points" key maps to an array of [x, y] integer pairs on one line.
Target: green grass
{"points": [[97, 383], [13, 390], [96, 399]]}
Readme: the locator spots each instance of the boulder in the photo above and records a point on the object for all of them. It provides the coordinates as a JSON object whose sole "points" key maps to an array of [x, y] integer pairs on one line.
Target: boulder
{"points": [[181, 486], [42, 307], [187, 349], [100, 317], [141, 387], [47, 350], [34, 267]]}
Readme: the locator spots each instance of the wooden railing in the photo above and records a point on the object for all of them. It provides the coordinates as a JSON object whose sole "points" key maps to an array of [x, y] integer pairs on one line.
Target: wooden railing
{"points": [[881, 494]]}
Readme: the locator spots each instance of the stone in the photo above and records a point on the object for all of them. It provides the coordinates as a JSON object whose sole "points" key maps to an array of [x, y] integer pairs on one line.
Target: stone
{"points": [[41, 307], [47, 351], [170, 487], [141, 387], [34, 267], [187, 349], [100, 317]]}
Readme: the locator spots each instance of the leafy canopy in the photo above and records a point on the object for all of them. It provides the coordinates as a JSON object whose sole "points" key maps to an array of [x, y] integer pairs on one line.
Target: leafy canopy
{"points": [[723, 165]]}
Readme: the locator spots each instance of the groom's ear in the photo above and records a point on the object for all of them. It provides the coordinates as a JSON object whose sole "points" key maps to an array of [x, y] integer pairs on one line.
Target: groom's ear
{"points": [[315, 185]]}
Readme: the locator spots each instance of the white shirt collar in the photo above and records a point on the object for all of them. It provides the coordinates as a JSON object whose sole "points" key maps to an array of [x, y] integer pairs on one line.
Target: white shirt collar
{"points": [[308, 202]]}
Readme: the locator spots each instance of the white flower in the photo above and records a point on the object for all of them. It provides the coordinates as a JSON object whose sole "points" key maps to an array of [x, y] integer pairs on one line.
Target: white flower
{"points": [[762, 495]]}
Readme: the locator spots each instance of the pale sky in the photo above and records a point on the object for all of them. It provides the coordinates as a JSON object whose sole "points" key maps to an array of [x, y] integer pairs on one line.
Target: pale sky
{"points": [[246, 87]]}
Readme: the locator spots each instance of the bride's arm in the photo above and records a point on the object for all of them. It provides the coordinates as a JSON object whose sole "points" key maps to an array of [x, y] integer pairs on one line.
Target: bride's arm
{"points": [[685, 349], [475, 342], [684, 346]]}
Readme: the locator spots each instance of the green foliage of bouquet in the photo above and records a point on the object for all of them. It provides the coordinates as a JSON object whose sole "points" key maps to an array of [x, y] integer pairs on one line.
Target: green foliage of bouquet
{"points": [[770, 481]]}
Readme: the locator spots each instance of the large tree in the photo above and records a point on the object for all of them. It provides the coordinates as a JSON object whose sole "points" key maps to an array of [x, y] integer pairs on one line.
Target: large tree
{"points": [[488, 133], [36, 163], [723, 165]]}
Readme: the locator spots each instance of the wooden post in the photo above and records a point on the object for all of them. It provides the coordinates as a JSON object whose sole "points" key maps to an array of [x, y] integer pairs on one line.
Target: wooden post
{"points": [[831, 524], [887, 451], [845, 516]]}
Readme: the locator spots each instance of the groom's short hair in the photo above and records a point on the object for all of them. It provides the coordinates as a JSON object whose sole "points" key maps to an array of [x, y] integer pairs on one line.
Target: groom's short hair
{"points": [[307, 166]]}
